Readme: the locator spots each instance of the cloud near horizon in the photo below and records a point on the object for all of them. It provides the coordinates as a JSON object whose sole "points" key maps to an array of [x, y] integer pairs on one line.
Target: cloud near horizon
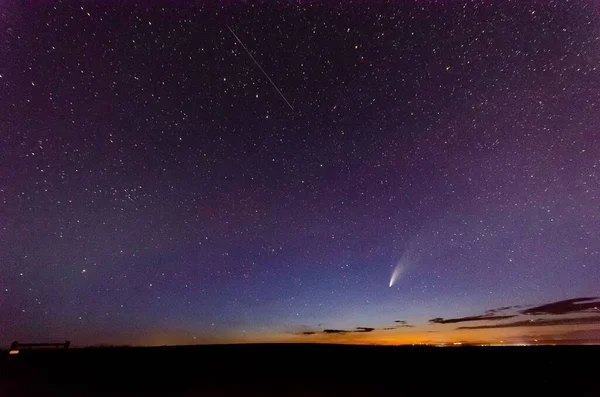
{"points": [[503, 309], [340, 331], [567, 306], [521, 312], [540, 323], [333, 331], [440, 320], [576, 305], [364, 329]]}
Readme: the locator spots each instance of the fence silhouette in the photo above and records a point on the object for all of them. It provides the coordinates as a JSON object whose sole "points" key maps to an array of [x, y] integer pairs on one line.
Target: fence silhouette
{"points": [[16, 346]]}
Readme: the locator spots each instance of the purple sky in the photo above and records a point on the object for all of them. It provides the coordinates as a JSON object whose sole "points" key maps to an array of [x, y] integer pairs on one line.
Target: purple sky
{"points": [[154, 182]]}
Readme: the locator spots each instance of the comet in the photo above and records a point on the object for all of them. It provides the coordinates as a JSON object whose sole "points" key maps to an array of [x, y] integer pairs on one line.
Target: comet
{"points": [[398, 271]]}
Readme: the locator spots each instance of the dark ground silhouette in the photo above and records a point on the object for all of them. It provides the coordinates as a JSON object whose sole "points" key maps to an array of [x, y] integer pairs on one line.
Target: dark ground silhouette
{"points": [[301, 369]]}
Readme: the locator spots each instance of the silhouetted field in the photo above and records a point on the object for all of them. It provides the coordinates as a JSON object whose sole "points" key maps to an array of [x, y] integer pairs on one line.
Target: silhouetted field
{"points": [[299, 370]]}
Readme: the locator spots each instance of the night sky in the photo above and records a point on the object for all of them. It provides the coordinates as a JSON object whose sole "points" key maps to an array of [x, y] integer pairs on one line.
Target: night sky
{"points": [[157, 188]]}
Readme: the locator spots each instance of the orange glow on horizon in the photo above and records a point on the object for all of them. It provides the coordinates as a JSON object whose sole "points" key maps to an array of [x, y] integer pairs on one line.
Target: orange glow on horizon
{"points": [[425, 335]]}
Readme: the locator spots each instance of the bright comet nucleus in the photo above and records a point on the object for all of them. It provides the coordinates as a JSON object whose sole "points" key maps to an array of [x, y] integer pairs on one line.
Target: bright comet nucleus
{"points": [[398, 271]]}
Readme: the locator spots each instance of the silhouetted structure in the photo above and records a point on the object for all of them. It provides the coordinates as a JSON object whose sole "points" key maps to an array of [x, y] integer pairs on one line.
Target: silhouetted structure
{"points": [[16, 345]]}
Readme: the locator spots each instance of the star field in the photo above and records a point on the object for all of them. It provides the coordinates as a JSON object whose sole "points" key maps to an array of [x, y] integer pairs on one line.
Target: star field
{"points": [[156, 188]]}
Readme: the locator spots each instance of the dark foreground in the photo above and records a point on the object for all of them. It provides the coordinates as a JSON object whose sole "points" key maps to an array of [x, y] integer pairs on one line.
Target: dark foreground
{"points": [[302, 370]]}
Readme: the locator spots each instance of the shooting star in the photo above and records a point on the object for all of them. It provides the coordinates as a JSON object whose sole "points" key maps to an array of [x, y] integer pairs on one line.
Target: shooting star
{"points": [[260, 67]]}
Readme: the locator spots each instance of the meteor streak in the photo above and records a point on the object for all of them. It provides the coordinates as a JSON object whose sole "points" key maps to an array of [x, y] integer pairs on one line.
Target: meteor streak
{"points": [[260, 67]]}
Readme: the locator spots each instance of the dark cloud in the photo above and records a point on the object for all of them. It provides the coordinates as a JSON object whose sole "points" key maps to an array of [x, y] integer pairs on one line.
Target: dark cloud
{"points": [[440, 320], [503, 309], [344, 331], [338, 331], [576, 305], [541, 323], [397, 326], [586, 304], [402, 324]]}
